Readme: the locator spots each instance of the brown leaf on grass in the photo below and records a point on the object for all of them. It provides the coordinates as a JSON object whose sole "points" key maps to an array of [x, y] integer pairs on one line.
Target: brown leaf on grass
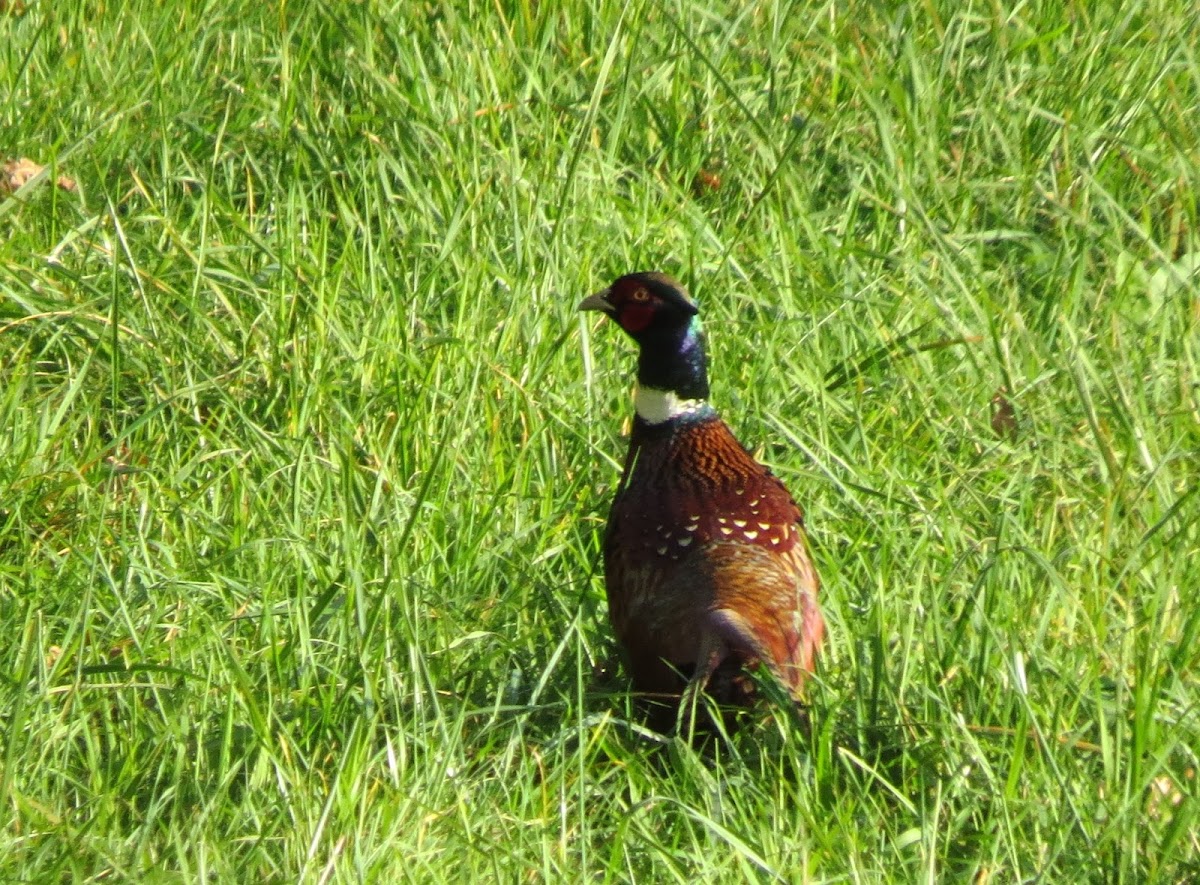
{"points": [[707, 181], [15, 174], [1004, 416], [1166, 793]]}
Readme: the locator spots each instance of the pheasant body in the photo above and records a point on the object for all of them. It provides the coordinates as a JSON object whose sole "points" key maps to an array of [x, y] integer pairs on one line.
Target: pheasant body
{"points": [[706, 567]]}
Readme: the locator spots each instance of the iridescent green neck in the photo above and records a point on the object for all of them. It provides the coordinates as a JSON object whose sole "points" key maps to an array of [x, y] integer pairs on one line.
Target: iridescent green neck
{"points": [[673, 361]]}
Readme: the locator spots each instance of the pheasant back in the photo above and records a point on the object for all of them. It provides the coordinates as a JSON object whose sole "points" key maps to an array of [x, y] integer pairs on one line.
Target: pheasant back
{"points": [[706, 564]]}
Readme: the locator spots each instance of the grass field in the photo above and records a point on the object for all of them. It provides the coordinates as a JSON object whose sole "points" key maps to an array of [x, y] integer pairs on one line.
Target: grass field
{"points": [[305, 453]]}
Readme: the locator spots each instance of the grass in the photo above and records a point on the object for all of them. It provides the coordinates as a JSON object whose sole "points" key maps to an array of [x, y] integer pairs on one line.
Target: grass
{"points": [[304, 452]]}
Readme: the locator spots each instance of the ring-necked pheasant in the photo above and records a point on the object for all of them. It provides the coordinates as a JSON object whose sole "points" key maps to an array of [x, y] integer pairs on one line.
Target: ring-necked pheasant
{"points": [[706, 562]]}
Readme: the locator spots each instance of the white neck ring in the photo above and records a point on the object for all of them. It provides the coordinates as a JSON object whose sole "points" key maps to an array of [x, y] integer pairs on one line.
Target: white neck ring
{"points": [[655, 406]]}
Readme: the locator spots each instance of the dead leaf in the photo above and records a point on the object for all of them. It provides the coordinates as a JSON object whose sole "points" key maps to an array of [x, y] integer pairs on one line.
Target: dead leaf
{"points": [[15, 174], [707, 181], [1166, 794], [1004, 416]]}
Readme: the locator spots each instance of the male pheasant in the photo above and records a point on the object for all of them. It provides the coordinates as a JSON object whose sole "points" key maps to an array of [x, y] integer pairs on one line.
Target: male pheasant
{"points": [[706, 562]]}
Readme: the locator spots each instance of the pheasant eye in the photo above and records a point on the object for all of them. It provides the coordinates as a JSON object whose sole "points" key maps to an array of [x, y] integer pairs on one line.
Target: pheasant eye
{"points": [[640, 295]]}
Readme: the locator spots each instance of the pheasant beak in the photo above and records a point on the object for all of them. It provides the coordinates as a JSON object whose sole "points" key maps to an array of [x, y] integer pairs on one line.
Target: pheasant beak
{"points": [[599, 301]]}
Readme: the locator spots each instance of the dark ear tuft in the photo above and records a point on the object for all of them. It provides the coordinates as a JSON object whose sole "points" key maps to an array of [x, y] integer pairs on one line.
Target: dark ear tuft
{"points": [[672, 291]]}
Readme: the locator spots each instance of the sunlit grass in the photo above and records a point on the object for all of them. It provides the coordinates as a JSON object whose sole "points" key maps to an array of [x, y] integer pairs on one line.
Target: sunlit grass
{"points": [[305, 454]]}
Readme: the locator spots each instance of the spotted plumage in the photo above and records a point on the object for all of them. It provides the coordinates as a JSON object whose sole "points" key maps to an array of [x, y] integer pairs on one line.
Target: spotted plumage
{"points": [[706, 566]]}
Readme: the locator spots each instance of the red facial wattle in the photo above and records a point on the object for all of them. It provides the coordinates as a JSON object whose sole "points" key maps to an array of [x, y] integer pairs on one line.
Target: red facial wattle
{"points": [[636, 317]]}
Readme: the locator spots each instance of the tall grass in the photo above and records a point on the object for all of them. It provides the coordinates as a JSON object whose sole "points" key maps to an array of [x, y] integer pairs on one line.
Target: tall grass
{"points": [[304, 453]]}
